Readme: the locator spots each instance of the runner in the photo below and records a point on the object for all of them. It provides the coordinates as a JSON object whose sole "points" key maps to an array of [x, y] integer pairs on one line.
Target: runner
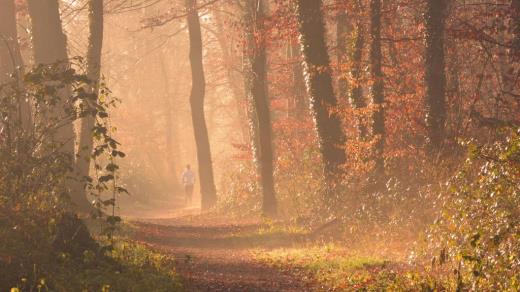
{"points": [[188, 179]]}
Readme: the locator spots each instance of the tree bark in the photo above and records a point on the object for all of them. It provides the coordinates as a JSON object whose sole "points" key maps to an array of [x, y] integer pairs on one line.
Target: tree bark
{"points": [[95, 44], [258, 94], [377, 90], [11, 60], [435, 79], [317, 69], [207, 184]]}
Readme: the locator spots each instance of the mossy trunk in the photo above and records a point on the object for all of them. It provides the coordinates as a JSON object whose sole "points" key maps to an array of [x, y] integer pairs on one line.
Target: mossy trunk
{"points": [[331, 137]]}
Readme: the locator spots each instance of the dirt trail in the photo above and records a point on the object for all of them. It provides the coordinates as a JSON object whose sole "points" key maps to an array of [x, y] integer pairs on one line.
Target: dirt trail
{"points": [[215, 254]]}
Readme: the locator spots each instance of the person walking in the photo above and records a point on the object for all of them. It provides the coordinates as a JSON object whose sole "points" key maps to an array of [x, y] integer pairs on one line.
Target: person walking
{"points": [[188, 179]]}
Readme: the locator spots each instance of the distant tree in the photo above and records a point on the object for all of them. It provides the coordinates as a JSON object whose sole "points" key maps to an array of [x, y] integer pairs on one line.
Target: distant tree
{"points": [[377, 89], [95, 44], [198, 88], [10, 57], [232, 62], [435, 79], [9, 49], [256, 86], [171, 128], [319, 86]]}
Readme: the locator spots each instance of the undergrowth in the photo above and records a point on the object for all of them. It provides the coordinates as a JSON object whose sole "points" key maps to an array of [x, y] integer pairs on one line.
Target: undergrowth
{"points": [[45, 245]]}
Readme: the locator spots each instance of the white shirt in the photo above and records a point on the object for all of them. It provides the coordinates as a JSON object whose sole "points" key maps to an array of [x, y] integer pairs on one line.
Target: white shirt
{"points": [[188, 177]]}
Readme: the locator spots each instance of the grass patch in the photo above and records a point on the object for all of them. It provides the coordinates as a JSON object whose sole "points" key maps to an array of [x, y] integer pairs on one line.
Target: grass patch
{"points": [[337, 269]]}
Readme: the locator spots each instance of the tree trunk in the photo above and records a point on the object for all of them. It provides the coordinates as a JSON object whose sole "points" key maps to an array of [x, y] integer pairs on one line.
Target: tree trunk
{"points": [[319, 86], [377, 90], [356, 96], [257, 93], [50, 46], [207, 185], [435, 104], [342, 33], [515, 5], [95, 44], [11, 59]]}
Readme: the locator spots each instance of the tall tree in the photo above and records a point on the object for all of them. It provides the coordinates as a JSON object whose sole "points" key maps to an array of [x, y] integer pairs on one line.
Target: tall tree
{"points": [[256, 68], [377, 90], [95, 44], [198, 88], [319, 86], [10, 57], [342, 33], [356, 94], [435, 79], [50, 46]]}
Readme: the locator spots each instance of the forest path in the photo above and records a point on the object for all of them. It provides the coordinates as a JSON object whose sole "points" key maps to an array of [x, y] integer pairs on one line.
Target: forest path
{"points": [[216, 254]]}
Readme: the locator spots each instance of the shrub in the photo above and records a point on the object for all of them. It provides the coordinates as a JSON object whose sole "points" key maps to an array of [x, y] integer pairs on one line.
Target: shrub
{"points": [[478, 232]]}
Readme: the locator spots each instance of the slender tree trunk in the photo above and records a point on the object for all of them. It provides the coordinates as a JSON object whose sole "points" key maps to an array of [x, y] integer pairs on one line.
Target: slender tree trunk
{"points": [[207, 184], [319, 86], [95, 44], [435, 104], [298, 83], [356, 96], [257, 92], [11, 59], [230, 58], [377, 90], [342, 33]]}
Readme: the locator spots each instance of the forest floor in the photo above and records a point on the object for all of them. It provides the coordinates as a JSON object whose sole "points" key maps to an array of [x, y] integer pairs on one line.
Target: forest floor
{"points": [[216, 253], [213, 254]]}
